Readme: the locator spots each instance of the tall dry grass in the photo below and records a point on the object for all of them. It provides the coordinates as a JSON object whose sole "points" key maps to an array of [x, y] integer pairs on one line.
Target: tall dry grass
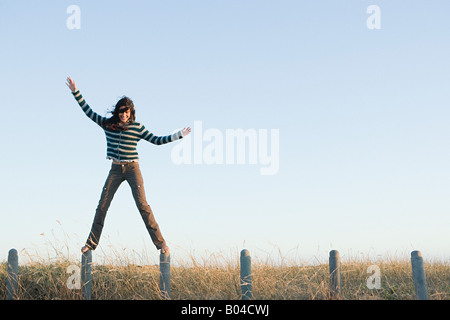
{"points": [[217, 277]]}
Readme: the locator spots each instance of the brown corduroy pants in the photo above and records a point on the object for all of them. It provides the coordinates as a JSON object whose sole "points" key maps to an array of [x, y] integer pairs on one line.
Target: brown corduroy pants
{"points": [[132, 174]]}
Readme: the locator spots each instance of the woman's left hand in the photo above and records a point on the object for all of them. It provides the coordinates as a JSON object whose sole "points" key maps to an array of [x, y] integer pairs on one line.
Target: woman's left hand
{"points": [[185, 131]]}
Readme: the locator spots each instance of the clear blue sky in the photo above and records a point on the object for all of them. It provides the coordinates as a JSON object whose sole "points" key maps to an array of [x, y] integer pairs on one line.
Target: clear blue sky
{"points": [[362, 117]]}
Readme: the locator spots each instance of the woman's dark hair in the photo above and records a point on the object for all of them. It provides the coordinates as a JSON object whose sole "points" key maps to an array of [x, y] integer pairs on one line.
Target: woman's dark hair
{"points": [[113, 122]]}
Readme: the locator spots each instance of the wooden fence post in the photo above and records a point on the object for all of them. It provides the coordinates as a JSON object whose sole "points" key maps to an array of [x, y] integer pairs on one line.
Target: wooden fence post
{"points": [[164, 276], [246, 275], [13, 271], [335, 273], [418, 270], [86, 275]]}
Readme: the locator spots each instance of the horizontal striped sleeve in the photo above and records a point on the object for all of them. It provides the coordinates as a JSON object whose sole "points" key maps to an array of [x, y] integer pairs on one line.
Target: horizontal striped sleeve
{"points": [[87, 109], [159, 140]]}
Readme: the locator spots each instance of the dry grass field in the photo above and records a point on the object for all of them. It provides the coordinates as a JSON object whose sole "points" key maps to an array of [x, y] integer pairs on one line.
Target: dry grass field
{"points": [[218, 278]]}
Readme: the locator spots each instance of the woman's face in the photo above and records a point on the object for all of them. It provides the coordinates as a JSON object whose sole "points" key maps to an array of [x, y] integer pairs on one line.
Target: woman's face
{"points": [[124, 115]]}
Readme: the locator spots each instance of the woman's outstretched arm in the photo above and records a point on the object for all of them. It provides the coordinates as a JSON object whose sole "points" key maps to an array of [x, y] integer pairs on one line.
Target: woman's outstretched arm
{"points": [[84, 106], [150, 137]]}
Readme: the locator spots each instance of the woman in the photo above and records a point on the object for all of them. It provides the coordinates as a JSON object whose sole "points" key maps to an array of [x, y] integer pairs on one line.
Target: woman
{"points": [[122, 135]]}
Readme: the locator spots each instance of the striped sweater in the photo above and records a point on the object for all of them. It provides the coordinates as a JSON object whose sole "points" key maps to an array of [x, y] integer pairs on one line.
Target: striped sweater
{"points": [[121, 145]]}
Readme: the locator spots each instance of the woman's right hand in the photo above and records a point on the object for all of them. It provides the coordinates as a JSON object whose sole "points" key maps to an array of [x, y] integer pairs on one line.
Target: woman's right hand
{"points": [[71, 84]]}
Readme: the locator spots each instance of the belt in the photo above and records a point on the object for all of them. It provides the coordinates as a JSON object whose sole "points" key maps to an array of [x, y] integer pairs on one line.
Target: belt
{"points": [[123, 162]]}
